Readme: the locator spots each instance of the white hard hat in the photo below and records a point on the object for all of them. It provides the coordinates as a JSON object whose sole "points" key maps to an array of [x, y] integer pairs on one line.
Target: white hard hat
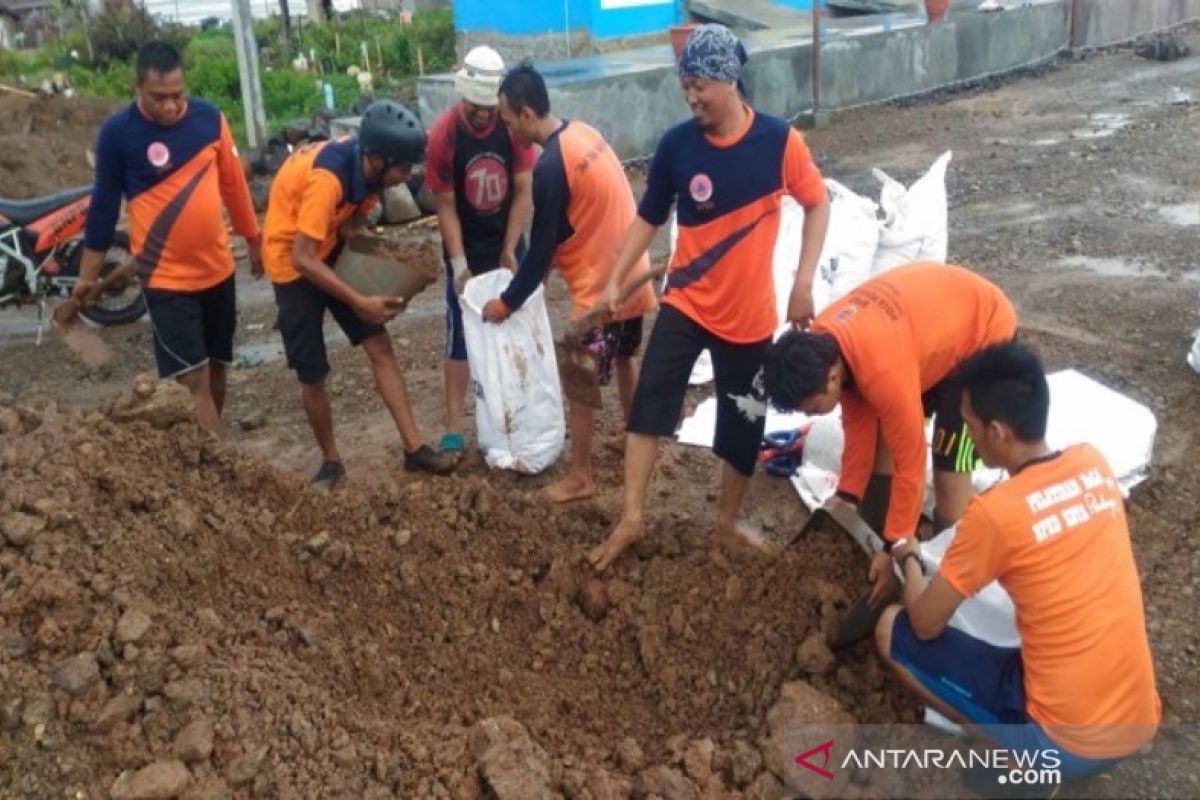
{"points": [[479, 79]]}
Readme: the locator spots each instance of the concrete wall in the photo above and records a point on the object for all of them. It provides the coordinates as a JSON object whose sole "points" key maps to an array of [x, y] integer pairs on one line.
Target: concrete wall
{"points": [[1104, 22], [632, 97]]}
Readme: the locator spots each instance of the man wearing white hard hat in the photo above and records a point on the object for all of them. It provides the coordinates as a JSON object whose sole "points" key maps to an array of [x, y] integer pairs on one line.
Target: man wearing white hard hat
{"points": [[481, 176]]}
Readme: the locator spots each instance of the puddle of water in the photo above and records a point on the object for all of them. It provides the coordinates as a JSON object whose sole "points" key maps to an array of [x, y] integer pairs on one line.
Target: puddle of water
{"points": [[1102, 125], [1045, 142], [1113, 267], [248, 356], [1186, 214]]}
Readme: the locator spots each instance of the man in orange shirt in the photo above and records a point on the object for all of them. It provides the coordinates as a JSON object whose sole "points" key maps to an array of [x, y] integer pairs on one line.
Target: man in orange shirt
{"points": [[582, 206], [726, 169], [1055, 536], [318, 201], [887, 351], [175, 162]]}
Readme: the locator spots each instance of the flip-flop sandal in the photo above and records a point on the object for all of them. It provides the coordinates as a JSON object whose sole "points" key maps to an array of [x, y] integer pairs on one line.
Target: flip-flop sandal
{"points": [[452, 444]]}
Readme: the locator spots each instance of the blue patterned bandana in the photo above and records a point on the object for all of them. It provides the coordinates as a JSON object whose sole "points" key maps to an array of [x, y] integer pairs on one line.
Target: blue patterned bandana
{"points": [[713, 52]]}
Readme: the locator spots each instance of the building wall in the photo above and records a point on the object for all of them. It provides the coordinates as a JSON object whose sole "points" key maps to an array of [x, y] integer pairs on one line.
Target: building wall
{"points": [[602, 19]]}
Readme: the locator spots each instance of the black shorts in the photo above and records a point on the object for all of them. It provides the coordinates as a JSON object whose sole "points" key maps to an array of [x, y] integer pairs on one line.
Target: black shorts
{"points": [[612, 341], [192, 328], [675, 343], [953, 450], [302, 308]]}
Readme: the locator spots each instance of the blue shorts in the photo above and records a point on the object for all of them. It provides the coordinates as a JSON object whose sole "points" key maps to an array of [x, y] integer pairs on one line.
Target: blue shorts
{"points": [[456, 345], [985, 684]]}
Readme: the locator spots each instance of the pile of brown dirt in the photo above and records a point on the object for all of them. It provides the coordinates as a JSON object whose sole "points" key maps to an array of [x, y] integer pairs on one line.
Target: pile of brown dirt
{"points": [[44, 142], [171, 605]]}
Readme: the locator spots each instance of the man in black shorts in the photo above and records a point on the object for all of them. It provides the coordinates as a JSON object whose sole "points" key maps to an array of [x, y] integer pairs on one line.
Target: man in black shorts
{"points": [[726, 170], [175, 162], [582, 204], [318, 201]]}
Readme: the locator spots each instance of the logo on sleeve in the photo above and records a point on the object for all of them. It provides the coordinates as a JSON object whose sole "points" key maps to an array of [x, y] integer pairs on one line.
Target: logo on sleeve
{"points": [[158, 154], [701, 188]]}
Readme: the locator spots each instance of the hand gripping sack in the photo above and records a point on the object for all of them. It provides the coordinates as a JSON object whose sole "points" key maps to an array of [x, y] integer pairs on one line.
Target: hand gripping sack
{"points": [[518, 397]]}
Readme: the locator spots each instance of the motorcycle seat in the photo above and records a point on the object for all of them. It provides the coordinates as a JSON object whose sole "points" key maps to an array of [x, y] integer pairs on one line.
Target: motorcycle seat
{"points": [[23, 212]]}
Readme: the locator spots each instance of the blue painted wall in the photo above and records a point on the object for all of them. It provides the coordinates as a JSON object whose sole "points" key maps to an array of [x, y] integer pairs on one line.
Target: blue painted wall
{"points": [[795, 3], [530, 17]]}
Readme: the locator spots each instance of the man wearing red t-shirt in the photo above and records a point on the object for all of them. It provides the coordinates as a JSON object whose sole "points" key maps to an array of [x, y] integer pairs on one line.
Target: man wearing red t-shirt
{"points": [[481, 176]]}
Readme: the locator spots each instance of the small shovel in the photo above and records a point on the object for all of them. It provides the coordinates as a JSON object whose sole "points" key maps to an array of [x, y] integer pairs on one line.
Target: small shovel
{"points": [[859, 621], [576, 364], [80, 339]]}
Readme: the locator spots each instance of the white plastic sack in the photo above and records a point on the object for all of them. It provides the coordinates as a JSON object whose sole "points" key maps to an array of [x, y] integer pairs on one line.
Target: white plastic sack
{"points": [[916, 221], [850, 244], [1081, 410], [518, 398], [1193, 357]]}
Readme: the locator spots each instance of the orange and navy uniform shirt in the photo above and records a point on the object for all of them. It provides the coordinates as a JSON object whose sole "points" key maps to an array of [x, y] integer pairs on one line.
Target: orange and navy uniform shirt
{"points": [[320, 187], [1056, 537], [175, 179], [900, 335], [728, 193], [582, 208]]}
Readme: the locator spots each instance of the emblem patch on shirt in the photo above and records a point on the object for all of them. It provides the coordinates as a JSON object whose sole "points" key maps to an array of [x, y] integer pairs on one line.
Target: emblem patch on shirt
{"points": [[486, 180], [701, 188], [158, 154]]}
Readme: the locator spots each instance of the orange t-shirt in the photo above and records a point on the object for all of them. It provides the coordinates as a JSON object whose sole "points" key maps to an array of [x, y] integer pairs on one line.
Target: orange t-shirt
{"points": [[176, 179], [728, 194], [317, 189], [582, 208], [901, 334], [1056, 538]]}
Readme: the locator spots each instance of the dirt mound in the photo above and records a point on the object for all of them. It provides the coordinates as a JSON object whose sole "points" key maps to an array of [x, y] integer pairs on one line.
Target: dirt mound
{"points": [[166, 600], [44, 142]]}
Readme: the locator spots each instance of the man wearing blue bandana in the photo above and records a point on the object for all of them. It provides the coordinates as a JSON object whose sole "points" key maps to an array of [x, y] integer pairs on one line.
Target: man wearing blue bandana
{"points": [[727, 170]]}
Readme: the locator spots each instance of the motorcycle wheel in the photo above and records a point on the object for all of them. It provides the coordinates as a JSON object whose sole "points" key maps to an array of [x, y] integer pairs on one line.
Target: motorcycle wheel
{"points": [[123, 302]]}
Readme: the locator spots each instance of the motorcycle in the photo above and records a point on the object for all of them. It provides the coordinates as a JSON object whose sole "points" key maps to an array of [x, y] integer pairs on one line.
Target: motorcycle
{"points": [[41, 248]]}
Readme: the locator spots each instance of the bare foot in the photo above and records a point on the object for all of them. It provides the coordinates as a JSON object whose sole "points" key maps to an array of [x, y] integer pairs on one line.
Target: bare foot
{"points": [[616, 443], [625, 534], [572, 487], [742, 534]]}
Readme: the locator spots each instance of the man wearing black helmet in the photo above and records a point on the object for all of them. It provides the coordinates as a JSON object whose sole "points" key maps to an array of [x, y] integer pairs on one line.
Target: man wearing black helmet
{"points": [[319, 200]]}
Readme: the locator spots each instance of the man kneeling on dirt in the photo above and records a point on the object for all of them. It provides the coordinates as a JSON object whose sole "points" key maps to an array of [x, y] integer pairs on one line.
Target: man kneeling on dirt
{"points": [[175, 162], [1054, 534], [582, 207], [318, 201], [887, 352]]}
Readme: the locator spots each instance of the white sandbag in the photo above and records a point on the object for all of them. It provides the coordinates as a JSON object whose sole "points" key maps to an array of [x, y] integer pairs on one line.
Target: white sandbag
{"points": [[1081, 410], [1193, 356], [518, 397], [916, 221], [851, 240]]}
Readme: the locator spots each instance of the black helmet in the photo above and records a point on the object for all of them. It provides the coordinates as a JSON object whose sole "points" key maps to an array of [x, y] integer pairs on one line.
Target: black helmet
{"points": [[392, 131]]}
